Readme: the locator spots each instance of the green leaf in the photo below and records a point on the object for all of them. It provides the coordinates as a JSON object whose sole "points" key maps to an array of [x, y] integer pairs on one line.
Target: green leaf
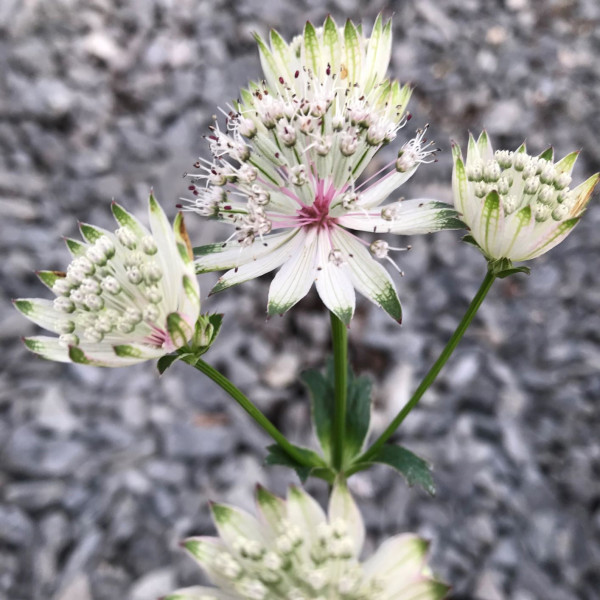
{"points": [[321, 387], [316, 467], [413, 468], [358, 414], [469, 239], [321, 394], [164, 362], [508, 272]]}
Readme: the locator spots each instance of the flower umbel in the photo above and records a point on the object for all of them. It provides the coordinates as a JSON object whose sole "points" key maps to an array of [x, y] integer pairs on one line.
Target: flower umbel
{"points": [[517, 206], [126, 297], [295, 552], [285, 172]]}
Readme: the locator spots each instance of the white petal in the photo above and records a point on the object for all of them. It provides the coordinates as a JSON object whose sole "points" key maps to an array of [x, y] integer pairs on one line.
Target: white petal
{"points": [[205, 550], [306, 513], [272, 509], [125, 219], [268, 262], [343, 507], [400, 558], [427, 589], [41, 312], [376, 193], [105, 355], [296, 276], [220, 256], [544, 239], [167, 255], [47, 347], [484, 145], [368, 276], [333, 281], [233, 523], [412, 217]]}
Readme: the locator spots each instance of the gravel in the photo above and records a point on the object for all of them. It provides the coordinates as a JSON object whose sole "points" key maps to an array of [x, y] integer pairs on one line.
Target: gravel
{"points": [[103, 472]]}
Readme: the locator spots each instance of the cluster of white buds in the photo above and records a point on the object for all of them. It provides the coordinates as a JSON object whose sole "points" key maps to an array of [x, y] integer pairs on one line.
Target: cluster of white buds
{"points": [[126, 296], [517, 206], [523, 180], [288, 165], [296, 552]]}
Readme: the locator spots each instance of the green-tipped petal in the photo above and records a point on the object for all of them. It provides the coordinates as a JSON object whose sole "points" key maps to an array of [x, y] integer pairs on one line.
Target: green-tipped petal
{"points": [[368, 276], [272, 508], [352, 47], [296, 276], [566, 164], [333, 280], [399, 559], [312, 49], [484, 145], [75, 247], [583, 193], [47, 347], [49, 278], [91, 233], [126, 219], [332, 44], [233, 524]]}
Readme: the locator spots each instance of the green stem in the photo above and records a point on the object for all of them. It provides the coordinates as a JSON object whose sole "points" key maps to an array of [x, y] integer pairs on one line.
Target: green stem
{"points": [[434, 371], [248, 406], [339, 336]]}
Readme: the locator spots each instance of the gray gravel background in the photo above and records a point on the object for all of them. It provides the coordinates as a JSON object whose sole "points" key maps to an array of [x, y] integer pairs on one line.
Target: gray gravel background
{"points": [[102, 472]]}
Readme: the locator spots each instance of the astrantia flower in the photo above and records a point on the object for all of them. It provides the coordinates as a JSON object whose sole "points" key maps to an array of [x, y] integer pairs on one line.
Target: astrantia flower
{"points": [[125, 298], [285, 172], [295, 552], [517, 206]]}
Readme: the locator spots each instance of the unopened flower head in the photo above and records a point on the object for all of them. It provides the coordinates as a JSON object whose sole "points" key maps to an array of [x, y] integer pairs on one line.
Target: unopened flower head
{"points": [[286, 168], [295, 552], [517, 206], [126, 297]]}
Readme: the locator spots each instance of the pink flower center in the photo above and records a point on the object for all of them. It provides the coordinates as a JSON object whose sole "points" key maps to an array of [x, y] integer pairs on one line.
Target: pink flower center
{"points": [[317, 214]]}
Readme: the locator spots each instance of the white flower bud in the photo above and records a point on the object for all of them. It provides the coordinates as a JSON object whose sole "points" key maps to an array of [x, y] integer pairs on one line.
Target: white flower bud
{"points": [[126, 237], [247, 127], [61, 287], [63, 304], [151, 313], [348, 142], [68, 339], [111, 285], [491, 171], [149, 245], [94, 303], [562, 181], [92, 335]]}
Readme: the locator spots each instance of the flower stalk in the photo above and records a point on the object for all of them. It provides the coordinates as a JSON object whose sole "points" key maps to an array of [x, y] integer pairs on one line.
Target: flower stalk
{"points": [[339, 336], [432, 374], [248, 406]]}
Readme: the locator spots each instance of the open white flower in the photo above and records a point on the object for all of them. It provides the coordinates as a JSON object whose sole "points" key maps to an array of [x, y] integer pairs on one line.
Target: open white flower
{"points": [[517, 206], [125, 298], [296, 552], [285, 172]]}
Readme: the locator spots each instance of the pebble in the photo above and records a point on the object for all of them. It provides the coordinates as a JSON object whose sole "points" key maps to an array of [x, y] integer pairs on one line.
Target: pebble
{"points": [[102, 471]]}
